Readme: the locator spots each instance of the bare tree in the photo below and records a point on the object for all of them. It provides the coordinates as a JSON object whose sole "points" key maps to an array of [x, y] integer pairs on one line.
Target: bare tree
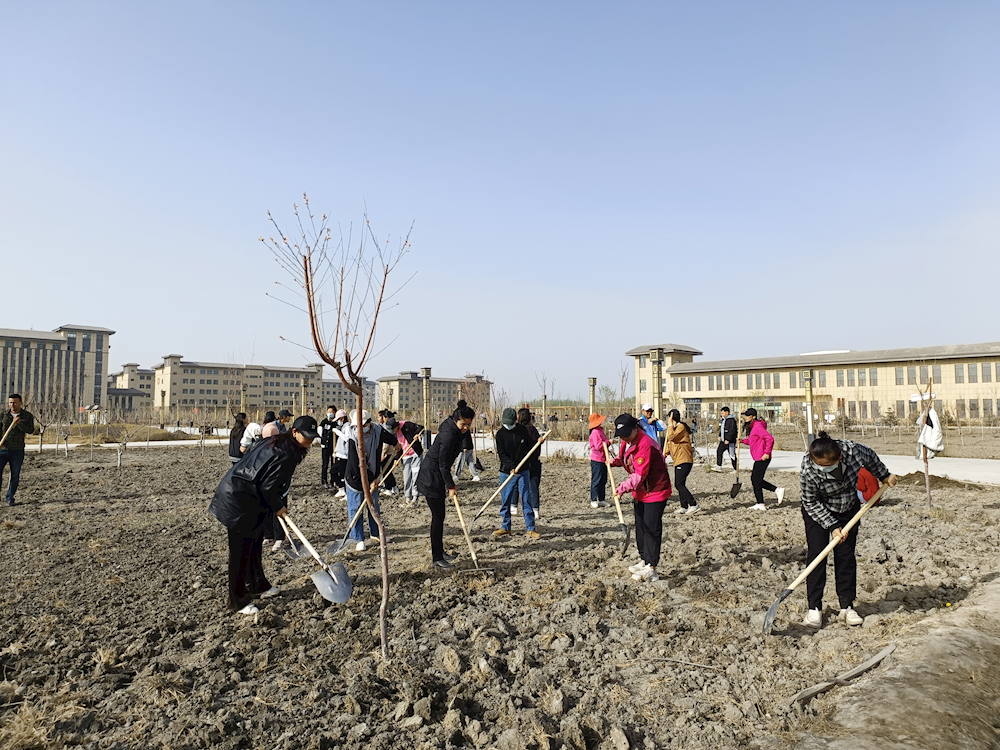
{"points": [[357, 275], [127, 426], [622, 387]]}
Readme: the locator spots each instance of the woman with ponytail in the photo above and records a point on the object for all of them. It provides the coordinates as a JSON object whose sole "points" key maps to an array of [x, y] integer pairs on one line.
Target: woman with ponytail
{"points": [[678, 446]]}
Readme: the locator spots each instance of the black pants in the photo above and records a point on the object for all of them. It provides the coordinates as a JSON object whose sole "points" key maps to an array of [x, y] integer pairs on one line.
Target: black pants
{"points": [[246, 569], [436, 504], [327, 460], [757, 480], [649, 530], [845, 564], [681, 472], [721, 451], [598, 480], [337, 477], [390, 481]]}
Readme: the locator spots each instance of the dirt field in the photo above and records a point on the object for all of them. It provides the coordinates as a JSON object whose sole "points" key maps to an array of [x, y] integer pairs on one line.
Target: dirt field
{"points": [[971, 443], [114, 631]]}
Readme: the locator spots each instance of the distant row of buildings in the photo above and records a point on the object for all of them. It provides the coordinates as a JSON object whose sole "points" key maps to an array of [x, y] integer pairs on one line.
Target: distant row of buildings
{"points": [[868, 386], [67, 369]]}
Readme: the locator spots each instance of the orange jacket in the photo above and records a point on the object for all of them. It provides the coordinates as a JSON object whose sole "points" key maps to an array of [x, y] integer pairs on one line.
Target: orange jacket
{"points": [[678, 445]]}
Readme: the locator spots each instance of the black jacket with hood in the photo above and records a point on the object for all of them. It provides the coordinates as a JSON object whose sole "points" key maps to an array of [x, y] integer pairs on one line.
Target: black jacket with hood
{"points": [[254, 487], [434, 479], [730, 432], [235, 436], [512, 446], [373, 453]]}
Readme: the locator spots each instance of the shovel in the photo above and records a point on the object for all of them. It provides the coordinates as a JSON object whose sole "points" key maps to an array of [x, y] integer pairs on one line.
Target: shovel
{"points": [[735, 489], [510, 476], [773, 610], [332, 581], [292, 551], [618, 505], [337, 547]]}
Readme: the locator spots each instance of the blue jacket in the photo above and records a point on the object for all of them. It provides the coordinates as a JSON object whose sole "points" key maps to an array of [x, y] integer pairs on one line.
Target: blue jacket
{"points": [[651, 429]]}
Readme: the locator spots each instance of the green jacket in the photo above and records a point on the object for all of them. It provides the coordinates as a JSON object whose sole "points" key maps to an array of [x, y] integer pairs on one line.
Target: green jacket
{"points": [[15, 441]]}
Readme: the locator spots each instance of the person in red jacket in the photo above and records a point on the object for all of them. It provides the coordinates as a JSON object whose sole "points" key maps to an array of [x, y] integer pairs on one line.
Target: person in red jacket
{"points": [[761, 444], [649, 483], [867, 485]]}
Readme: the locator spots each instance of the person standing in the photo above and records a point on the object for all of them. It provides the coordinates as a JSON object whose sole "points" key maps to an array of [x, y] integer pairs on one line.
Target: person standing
{"points": [[728, 434], [235, 436], [20, 422], [408, 434], [375, 436], [340, 451], [513, 444], [525, 418], [761, 444], [649, 483], [284, 420], [326, 441], [467, 458], [598, 461], [651, 425], [251, 435], [248, 495], [434, 479], [269, 427], [389, 483], [829, 483], [679, 448]]}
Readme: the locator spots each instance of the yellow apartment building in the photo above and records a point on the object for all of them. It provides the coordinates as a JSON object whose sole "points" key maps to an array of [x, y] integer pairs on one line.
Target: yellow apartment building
{"points": [[404, 392], [863, 385]]}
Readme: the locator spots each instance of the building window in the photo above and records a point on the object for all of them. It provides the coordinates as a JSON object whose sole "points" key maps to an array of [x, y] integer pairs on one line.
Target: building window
{"points": [[683, 384], [852, 409], [642, 360], [840, 378], [974, 408], [987, 372], [861, 377], [767, 381], [973, 374], [864, 409], [690, 384], [900, 407], [822, 378], [791, 379], [749, 381], [850, 378], [777, 380], [911, 375], [988, 408], [718, 382], [711, 382], [960, 374], [960, 408], [923, 373], [876, 413], [759, 386], [697, 384], [899, 376], [728, 383], [642, 386], [913, 409], [873, 376]]}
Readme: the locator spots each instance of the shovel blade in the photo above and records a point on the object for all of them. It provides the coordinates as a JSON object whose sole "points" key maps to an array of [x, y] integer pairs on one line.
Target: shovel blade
{"points": [[333, 584], [337, 547], [296, 553], [773, 610], [735, 489], [627, 532]]}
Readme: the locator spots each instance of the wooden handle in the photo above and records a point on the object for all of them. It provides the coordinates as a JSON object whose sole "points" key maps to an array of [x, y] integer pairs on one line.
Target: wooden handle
{"points": [[465, 530], [7, 433], [284, 528], [833, 543], [305, 542], [510, 476], [614, 487]]}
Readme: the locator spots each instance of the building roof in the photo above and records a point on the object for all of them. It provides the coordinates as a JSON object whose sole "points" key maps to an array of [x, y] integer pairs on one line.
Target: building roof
{"points": [[95, 329], [821, 359], [128, 392], [20, 333], [640, 350]]}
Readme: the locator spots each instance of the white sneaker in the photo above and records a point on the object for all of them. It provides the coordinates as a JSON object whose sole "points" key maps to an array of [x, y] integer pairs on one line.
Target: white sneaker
{"points": [[475, 478], [273, 591], [250, 609], [851, 617], [637, 567], [780, 492], [814, 618], [679, 511], [454, 479], [341, 493], [535, 511], [692, 510], [758, 506], [717, 469], [598, 504], [648, 573], [359, 547], [278, 545]]}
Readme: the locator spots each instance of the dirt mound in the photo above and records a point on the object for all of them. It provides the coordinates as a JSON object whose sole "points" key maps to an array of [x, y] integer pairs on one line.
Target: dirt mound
{"points": [[916, 479], [115, 632]]}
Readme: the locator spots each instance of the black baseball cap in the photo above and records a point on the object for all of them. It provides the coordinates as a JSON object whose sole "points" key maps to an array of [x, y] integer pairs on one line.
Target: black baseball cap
{"points": [[306, 426], [751, 412], [284, 413], [624, 425]]}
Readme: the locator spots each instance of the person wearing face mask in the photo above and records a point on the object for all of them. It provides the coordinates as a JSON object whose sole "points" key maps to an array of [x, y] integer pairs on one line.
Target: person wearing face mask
{"points": [[513, 443], [408, 434], [326, 441], [375, 436], [829, 483], [434, 479], [761, 444], [340, 451]]}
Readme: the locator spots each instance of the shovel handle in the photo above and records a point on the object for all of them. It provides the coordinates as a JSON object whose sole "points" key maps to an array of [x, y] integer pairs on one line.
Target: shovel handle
{"points": [[465, 530], [614, 487], [291, 539], [510, 476], [829, 548], [305, 542], [11, 428]]}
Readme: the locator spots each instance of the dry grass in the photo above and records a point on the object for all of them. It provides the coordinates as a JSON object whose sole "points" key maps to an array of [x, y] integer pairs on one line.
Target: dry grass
{"points": [[106, 656], [8, 524], [943, 514], [562, 456], [29, 728]]}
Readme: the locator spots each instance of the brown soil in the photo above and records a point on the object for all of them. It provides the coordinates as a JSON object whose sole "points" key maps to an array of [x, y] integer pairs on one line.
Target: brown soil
{"points": [[114, 631], [973, 443]]}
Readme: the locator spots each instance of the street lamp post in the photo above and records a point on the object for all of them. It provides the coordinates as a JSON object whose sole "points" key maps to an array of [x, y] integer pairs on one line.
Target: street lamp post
{"points": [[425, 373]]}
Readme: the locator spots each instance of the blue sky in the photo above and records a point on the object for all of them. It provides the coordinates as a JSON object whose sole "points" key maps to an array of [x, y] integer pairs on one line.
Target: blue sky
{"points": [[749, 179]]}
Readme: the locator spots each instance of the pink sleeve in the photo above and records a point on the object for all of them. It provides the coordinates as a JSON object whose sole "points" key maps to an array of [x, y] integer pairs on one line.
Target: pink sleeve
{"points": [[768, 442], [640, 463]]}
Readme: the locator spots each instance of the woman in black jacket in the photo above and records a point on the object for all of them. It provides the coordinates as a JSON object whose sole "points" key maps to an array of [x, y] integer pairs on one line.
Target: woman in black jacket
{"points": [[435, 481], [235, 436], [249, 491]]}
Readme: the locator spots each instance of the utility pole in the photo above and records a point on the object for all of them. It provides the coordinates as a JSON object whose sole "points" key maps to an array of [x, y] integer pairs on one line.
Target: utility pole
{"points": [[163, 411], [425, 373], [655, 361], [592, 382], [807, 377], [243, 397], [305, 406]]}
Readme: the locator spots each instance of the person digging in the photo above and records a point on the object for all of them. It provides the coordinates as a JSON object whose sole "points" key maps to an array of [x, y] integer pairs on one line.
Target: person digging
{"points": [[649, 483]]}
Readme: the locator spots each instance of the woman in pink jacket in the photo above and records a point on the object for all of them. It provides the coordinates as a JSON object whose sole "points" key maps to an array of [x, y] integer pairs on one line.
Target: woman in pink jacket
{"points": [[649, 483], [598, 462], [761, 444]]}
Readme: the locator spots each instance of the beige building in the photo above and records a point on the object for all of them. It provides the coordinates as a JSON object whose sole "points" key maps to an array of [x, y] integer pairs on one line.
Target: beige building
{"points": [[64, 369], [651, 365], [129, 401], [133, 376], [335, 393], [863, 385], [404, 393]]}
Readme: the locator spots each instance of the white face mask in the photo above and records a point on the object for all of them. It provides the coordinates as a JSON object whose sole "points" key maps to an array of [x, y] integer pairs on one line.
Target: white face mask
{"points": [[509, 426], [827, 469]]}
